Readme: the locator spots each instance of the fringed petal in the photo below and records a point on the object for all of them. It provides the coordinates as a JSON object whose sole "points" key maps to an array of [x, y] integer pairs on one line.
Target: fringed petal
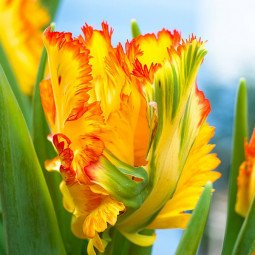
{"points": [[70, 75], [97, 243], [106, 212], [181, 110], [196, 173], [105, 88]]}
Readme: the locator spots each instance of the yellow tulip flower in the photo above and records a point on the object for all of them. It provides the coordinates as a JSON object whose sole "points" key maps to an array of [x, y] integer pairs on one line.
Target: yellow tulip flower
{"points": [[130, 130], [21, 26]]}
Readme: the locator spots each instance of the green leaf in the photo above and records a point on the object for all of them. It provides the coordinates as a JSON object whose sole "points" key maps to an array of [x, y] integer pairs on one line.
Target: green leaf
{"points": [[246, 239], [23, 101], [44, 150], [234, 221], [135, 29], [2, 239], [252, 249], [28, 214], [193, 233], [51, 6]]}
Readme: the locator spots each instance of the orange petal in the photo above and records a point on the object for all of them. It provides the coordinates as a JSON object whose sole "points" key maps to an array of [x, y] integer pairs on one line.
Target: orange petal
{"points": [[106, 212], [70, 75], [246, 179], [48, 102], [53, 164]]}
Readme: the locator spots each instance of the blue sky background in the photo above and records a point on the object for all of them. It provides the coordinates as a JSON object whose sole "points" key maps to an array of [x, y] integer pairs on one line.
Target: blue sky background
{"points": [[228, 25]]}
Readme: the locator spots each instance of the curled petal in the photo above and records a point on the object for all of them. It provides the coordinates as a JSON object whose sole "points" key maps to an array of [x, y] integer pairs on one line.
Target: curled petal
{"points": [[196, 173], [97, 243]]}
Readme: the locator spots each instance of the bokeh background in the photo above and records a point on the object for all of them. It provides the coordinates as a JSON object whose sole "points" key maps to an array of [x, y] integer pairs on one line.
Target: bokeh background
{"points": [[229, 27]]}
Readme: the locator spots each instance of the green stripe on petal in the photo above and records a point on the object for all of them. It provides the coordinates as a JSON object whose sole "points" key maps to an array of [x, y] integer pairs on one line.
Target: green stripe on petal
{"points": [[118, 181], [176, 99]]}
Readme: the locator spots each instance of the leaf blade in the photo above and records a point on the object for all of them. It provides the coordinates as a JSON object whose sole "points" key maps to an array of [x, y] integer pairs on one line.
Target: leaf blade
{"points": [[234, 221], [246, 238], [21, 98], [193, 233], [28, 214]]}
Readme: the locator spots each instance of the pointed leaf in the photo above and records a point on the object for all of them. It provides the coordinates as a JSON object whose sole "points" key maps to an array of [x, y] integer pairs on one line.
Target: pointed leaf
{"points": [[234, 221], [44, 150], [193, 233], [28, 214], [135, 29], [52, 6], [246, 238]]}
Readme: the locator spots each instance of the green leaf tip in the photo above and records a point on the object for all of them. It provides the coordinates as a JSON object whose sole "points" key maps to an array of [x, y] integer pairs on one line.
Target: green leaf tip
{"points": [[240, 131], [135, 29], [52, 25], [194, 231]]}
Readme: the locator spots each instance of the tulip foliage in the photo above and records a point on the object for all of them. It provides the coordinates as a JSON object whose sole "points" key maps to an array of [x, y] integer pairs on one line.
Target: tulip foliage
{"points": [[102, 145]]}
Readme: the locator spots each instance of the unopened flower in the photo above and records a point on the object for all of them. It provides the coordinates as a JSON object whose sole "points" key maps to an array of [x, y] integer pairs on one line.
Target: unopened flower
{"points": [[129, 128], [21, 26], [246, 179]]}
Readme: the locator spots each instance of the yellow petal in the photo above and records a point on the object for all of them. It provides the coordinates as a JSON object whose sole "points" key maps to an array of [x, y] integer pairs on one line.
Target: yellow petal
{"points": [[196, 173], [170, 221], [106, 212], [53, 164], [48, 101], [154, 48], [95, 242], [139, 239], [70, 76], [105, 87], [91, 211]]}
